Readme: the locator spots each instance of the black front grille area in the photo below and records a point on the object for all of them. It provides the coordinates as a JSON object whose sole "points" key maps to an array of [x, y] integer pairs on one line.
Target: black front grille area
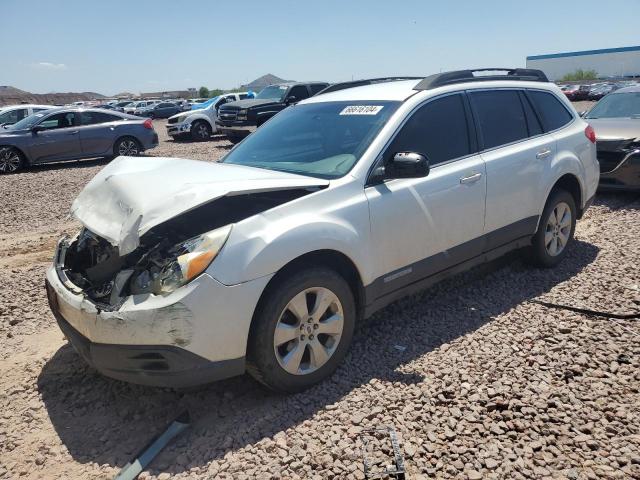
{"points": [[174, 120], [228, 115]]}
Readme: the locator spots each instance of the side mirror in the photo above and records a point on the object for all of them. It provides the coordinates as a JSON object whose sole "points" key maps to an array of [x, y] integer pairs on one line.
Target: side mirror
{"points": [[407, 165], [38, 128], [582, 113], [291, 99]]}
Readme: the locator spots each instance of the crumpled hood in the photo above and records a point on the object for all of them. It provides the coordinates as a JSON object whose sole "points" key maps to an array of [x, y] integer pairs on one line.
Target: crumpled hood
{"points": [[131, 195], [615, 128]]}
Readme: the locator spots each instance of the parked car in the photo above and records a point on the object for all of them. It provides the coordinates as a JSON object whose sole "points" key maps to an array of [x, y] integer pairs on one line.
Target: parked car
{"points": [[159, 110], [616, 121], [238, 119], [136, 108], [119, 107], [598, 93], [106, 106], [199, 124], [186, 272], [11, 114], [71, 134]]}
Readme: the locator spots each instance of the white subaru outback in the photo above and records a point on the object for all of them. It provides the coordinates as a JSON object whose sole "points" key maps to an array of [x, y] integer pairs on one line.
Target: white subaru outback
{"points": [[187, 272]]}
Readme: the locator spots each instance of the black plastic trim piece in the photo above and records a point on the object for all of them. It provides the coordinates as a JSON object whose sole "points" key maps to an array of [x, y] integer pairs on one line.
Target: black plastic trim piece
{"points": [[464, 76]]}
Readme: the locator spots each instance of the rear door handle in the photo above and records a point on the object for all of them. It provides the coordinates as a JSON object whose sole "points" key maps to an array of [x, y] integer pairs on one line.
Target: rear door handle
{"points": [[471, 178], [543, 153]]}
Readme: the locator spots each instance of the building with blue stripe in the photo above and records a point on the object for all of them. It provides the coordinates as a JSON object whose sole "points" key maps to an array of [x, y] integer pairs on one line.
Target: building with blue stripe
{"points": [[607, 62]]}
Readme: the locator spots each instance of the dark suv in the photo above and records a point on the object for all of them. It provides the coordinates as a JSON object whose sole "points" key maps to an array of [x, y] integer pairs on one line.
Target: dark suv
{"points": [[238, 119]]}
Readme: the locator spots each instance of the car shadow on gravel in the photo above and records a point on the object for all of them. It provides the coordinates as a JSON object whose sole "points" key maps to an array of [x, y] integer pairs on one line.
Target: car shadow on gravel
{"points": [[106, 422], [67, 165]]}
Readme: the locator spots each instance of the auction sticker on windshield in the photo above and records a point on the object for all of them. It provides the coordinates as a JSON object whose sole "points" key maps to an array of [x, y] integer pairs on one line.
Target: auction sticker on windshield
{"points": [[361, 110]]}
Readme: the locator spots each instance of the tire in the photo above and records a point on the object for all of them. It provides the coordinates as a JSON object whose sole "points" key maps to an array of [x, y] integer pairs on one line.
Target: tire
{"points": [[200, 131], [310, 351], [152, 116], [11, 160], [549, 244], [127, 146]]}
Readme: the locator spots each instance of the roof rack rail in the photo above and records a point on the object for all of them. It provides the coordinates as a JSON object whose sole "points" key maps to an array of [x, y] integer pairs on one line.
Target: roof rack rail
{"points": [[365, 81], [463, 76]]}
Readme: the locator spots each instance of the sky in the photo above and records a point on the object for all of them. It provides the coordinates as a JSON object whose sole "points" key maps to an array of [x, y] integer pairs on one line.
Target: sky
{"points": [[157, 45]]}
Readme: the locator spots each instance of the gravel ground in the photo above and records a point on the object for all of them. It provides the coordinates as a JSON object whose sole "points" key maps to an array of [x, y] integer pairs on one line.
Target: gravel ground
{"points": [[478, 381]]}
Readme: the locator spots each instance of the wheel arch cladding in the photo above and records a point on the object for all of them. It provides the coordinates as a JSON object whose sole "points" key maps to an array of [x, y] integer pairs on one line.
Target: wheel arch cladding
{"points": [[571, 184], [332, 259]]}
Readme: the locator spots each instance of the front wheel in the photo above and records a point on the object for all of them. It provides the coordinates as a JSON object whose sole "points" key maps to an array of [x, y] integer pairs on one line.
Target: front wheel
{"points": [[302, 330], [200, 131], [11, 160], [555, 231]]}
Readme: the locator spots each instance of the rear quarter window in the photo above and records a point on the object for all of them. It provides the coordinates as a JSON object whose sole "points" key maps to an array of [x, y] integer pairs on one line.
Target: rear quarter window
{"points": [[553, 113]]}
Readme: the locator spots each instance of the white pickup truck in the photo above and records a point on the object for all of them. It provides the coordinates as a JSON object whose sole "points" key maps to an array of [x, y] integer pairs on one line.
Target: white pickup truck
{"points": [[200, 123]]}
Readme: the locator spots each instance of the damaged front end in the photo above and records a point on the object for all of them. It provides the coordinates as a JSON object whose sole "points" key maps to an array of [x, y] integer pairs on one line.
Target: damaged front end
{"points": [[168, 256]]}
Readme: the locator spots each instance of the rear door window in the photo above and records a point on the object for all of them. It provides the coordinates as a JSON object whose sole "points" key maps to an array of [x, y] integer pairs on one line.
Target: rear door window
{"points": [[94, 118], [299, 91], [552, 112], [316, 87], [500, 115], [535, 128], [438, 130]]}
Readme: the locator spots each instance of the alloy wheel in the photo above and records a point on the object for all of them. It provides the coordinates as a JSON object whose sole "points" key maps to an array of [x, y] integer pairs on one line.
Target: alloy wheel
{"points": [[9, 160], [202, 131], [558, 229], [308, 331], [128, 147]]}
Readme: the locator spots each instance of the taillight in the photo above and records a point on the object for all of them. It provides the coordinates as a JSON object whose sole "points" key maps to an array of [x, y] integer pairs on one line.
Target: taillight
{"points": [[148, 124], [590, 133]]}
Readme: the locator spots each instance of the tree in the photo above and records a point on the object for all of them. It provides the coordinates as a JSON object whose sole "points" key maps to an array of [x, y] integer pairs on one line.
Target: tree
{"points": [[215, 92], [203, 92], [580, 74]]}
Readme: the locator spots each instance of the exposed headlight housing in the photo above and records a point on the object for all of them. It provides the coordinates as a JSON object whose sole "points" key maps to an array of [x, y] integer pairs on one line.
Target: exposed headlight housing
{"points": [[242, 114], [184, 262]]}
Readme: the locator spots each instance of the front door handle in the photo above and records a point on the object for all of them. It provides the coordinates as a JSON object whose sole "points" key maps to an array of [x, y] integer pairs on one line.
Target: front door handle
{"points": [[471, 178], [543, 153], [75, 132]]}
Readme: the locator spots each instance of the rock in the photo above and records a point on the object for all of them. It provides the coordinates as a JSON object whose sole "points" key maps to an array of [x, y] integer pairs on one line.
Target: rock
{"points": [[474, 475]]}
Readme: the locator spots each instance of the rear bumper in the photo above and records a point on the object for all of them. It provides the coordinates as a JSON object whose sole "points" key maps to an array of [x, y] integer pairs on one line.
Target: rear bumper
{"points": [[153, 365]]}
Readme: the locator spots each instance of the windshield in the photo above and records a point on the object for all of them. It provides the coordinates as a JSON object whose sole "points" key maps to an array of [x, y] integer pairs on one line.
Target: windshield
{"points": [[318, 139], [617, 105], [27, 122], [275, 92]]}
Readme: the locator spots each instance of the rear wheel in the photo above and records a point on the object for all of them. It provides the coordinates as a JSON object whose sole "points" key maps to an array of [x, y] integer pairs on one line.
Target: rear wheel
{"points": [[127, 146], [11, 160], [555, 231], [302, 330], [200, 131]]}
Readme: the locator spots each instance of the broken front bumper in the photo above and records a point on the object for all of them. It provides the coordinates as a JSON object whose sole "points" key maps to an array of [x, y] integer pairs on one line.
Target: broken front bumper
{"points": [[621, 174], [195, 335], [174, 129]]}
